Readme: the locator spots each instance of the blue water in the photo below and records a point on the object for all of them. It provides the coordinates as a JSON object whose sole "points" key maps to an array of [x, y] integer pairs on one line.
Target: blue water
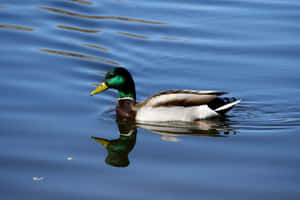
{"points": [[52, 50]]}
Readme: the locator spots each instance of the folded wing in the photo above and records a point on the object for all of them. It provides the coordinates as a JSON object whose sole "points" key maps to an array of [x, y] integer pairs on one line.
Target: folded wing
{"points": [[180, 98]]}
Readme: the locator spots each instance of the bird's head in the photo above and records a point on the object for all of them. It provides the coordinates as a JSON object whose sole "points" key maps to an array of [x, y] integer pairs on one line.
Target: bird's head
{"points": [[120, 79]]}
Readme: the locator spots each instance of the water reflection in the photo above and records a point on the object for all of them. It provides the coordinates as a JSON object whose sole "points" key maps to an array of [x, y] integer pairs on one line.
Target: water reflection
{"points": [[82, 2], [64, 12], [119, 149], [174, 39], [218, 127], [64, 53], [133, 35], [90, 45], [19, 28], [78, 29]]}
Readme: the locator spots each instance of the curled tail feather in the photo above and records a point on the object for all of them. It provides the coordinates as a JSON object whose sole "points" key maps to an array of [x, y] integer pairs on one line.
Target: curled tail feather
{"points": [[223, 105]]}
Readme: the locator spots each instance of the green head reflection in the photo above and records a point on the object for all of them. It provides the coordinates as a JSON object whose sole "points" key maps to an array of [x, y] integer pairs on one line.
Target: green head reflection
{"points": [[118, 149]]}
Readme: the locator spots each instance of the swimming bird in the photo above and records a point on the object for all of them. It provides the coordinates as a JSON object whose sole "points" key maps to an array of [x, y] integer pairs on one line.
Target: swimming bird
{"points": [[170, 105]]}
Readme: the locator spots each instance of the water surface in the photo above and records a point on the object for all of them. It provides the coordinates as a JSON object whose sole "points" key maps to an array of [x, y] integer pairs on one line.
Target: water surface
{"points": [[51, 56]]}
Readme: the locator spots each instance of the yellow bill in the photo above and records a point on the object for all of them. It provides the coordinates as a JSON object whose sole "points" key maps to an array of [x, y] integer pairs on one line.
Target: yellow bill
{"points": [[99, 89], [104, 142]]}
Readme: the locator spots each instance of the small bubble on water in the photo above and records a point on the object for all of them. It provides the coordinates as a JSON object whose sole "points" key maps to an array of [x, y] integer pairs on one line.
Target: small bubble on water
{"points": [[69, 158], [37, 178]]}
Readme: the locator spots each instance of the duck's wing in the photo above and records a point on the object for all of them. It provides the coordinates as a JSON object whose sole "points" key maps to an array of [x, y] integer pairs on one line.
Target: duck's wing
{"points": [[180, 98]]}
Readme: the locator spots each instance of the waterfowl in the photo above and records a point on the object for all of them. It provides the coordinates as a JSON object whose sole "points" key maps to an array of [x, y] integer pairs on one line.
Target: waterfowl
{"points": [[170, 105]]}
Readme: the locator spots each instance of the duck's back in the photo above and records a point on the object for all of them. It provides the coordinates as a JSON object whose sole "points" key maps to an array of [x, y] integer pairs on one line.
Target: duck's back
{"points": [[177, 105], [185, 98]]}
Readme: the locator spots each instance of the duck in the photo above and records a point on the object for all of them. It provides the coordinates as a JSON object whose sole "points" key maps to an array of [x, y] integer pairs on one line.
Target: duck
{"points": [[170, 105]]}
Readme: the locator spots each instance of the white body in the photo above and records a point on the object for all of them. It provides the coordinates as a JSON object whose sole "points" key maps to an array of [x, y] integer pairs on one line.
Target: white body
{"points": [[165, 106], [174, 113]]}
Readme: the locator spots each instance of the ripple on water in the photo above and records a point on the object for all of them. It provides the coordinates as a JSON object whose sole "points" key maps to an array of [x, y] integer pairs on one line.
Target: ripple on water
{"points": [[261, 116], [64, 12], [77, 55], [78, 29], [18, 28], [82, 2], [90, 45]]}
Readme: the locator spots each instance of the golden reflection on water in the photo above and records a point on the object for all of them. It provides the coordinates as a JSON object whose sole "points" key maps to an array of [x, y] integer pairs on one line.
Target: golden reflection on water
{"points": [[82, 2], [147, 37], [19, 28], [95, 46], [90, 45], [78, 29], [64, 12], [133, 35], [64, 53]]}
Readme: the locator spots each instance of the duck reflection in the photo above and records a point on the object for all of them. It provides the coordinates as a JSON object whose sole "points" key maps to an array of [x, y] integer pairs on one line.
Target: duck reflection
{"points": [[211, 128], [119, 149]]}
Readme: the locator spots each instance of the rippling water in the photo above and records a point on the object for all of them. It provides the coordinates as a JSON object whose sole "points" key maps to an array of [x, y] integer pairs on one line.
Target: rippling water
{"points": [[53, 53]]}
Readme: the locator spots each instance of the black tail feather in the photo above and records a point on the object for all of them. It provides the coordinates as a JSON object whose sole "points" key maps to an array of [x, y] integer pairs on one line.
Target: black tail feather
{"points": [[219, 102]]}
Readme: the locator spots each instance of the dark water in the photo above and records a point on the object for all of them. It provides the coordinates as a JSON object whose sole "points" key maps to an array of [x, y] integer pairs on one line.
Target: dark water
{"points": [[50, 53]]}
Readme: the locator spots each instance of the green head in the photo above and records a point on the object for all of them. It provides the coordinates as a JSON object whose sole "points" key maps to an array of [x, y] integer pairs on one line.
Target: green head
{"points": [[120, 79]]}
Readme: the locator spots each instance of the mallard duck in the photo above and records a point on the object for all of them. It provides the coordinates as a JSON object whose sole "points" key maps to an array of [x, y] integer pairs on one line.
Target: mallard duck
{"points": [[170, 105]]}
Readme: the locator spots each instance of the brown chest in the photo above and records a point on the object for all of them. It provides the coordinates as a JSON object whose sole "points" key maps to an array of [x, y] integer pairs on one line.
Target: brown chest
{"points": [[125, 108]]}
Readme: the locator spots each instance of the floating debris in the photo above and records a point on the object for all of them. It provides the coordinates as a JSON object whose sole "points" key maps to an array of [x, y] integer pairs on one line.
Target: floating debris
{"points": [[38, 178], [69, 158]]}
